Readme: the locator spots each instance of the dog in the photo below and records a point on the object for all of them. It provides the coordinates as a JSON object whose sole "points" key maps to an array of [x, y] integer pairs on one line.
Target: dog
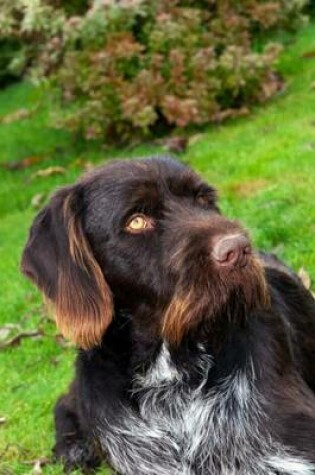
{"points": [[196, 353]]}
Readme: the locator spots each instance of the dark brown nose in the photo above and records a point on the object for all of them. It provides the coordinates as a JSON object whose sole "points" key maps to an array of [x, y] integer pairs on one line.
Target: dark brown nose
{"points": [[232, 250]]}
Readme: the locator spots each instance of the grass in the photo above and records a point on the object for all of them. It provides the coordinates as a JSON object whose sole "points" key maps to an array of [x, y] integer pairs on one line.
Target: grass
{"points": [[263, 165]]}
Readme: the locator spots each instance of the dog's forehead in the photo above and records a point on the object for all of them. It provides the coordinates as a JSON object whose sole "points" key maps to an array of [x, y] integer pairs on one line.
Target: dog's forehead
{"points": [[134, 179]]}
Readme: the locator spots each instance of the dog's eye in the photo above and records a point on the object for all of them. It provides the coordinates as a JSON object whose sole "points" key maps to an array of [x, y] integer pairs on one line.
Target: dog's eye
{"points": [[205, 199], [139, 223]]}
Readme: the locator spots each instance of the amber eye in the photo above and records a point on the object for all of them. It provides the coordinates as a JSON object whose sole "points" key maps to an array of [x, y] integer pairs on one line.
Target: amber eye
{"points": [[139, 223], [204, 200]]}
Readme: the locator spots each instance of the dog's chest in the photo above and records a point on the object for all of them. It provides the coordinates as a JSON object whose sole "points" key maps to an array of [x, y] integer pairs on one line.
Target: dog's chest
{"points": [[222, 431]]}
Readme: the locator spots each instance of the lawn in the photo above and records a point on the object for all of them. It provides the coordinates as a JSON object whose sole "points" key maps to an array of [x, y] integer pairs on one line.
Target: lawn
{"points": [[263, 166]]}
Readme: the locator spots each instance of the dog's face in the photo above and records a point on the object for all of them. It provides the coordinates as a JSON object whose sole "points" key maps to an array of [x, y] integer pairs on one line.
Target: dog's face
{"points": [[146, 237]]}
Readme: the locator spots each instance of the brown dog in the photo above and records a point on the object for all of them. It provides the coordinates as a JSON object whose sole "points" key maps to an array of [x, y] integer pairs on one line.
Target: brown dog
{"points": [[196, 354]]}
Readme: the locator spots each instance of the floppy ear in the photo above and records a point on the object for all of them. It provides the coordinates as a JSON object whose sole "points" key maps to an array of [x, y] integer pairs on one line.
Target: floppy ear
{"points": [[59, 260]]}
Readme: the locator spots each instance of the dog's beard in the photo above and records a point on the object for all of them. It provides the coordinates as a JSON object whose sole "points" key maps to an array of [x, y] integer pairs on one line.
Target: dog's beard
{"points": [[201, 302]]}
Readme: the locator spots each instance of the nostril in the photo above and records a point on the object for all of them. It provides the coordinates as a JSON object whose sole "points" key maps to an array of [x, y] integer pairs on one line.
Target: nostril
{"points": [[231, 250], [230, 257]]}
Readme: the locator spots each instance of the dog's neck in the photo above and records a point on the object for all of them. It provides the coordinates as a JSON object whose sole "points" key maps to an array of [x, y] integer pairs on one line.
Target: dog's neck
{"points": [[209, 407], [215, 406], [230, 342]]}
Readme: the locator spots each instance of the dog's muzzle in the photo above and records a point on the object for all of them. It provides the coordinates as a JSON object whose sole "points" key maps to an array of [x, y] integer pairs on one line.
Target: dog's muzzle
{"points": [[216, 274]]}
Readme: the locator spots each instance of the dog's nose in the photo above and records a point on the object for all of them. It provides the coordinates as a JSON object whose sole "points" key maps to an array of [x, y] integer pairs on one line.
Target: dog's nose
{"points": [[232, 250]]}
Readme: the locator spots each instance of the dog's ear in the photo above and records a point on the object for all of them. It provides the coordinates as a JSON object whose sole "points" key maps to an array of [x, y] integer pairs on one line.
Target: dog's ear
{"points": [[59, 260]]}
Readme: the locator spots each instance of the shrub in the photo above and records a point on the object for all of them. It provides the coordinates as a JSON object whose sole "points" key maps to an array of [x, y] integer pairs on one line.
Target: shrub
{"points": [[10, 50], [128, 68]]}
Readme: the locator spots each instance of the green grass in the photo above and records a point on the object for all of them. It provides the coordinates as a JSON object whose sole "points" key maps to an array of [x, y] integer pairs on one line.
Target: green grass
{"points": [[263, 166]]}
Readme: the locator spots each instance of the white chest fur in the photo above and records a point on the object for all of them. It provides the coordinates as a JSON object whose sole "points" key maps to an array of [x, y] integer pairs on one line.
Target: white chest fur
{"points": [[184, 431]]}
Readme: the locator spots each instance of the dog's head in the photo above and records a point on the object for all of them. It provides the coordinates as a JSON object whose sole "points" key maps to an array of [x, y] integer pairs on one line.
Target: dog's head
{"points": [[147, 237]]}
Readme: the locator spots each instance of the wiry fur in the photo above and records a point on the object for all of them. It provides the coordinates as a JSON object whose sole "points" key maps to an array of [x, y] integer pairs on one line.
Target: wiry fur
{"points": [[186, 366], [184, 430]]}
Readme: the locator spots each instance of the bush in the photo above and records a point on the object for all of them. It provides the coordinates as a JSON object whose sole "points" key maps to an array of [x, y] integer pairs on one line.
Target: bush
{"points": [[128, 68], [10, 49]]}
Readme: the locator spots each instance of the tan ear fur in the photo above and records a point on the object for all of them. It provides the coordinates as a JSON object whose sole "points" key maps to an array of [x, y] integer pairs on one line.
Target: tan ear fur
{"points": [[83, 307]]}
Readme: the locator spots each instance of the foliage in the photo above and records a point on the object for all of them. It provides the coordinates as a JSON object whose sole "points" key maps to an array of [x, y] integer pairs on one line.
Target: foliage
{"points": [[9, 50], [132, 67]]}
